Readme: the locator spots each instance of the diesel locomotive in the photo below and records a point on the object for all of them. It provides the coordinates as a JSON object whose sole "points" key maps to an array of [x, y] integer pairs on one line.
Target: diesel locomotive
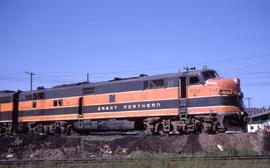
{"points": [[176, 103]]}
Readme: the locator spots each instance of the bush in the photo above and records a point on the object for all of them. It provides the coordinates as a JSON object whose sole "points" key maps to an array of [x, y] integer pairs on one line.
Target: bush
{"points": [[18, 142]]}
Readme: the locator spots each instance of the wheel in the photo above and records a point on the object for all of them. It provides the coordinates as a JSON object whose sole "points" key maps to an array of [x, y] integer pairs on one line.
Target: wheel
{"points": [[58, 131], [70, 130], [161, 131]]}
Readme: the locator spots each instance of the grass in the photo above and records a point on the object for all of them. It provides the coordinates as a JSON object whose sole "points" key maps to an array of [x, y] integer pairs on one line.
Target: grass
{"points": [[162, 160], [230, 151], [162, 163], [101, 137]]}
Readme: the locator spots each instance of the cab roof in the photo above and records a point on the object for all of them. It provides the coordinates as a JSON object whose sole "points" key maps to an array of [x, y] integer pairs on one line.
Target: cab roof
{"points": [[122, 80]]}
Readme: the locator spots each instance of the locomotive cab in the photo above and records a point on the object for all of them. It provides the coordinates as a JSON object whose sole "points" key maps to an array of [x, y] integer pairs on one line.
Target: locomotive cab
{"points": [[224, 87], [219, 96]]}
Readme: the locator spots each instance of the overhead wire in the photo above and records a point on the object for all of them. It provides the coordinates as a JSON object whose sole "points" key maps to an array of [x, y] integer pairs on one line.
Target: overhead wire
{"points": [[156, 68], [62, 77]]}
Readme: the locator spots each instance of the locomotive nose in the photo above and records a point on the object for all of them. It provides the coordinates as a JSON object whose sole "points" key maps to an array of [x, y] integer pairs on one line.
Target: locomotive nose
{"points": [[226, 86]]}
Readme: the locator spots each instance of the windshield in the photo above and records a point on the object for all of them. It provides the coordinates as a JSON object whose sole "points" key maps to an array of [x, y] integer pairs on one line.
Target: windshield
{"points": [[209, 75]]}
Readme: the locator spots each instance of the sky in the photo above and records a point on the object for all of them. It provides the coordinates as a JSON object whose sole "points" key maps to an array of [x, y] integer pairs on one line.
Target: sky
{"points": [[63, 40]]}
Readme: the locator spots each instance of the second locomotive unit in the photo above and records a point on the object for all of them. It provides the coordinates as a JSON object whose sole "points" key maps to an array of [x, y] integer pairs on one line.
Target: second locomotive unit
{"points": [[176, 103]]}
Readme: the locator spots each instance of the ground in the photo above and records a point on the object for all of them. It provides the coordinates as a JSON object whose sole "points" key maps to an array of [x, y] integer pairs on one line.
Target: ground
{"points": [[67, 147]]}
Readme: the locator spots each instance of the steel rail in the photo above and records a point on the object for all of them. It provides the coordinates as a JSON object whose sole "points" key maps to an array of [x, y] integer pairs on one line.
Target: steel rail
{"points": [[124, 159]]}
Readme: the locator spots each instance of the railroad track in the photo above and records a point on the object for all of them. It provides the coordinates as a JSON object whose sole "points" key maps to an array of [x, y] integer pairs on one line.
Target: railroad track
{"points": [[121, 159]]}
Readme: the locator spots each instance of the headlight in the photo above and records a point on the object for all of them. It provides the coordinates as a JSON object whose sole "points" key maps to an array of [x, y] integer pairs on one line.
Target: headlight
{"points": [[240, 95], [237, 81], [225, 92]]}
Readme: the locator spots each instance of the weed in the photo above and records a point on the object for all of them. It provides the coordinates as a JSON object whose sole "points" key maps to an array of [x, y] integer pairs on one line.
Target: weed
{"points": [[18, 142]]}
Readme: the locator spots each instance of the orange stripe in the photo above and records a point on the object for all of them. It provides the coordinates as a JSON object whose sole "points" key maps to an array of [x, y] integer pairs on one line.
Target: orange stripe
{"points": [[214, 109], [207, 91], [49, 118], [124, 97], [201, 91], [48, 104], [130, 114], [6, 107]]}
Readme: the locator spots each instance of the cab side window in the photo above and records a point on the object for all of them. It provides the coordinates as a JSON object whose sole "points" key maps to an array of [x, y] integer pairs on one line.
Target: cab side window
{"points": [[153, 84], [194, 80]]}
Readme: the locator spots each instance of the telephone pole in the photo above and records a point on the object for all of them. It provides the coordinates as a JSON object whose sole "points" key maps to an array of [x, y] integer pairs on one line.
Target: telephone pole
{"points": [[31, 79], [87, 79], [249, 98]]}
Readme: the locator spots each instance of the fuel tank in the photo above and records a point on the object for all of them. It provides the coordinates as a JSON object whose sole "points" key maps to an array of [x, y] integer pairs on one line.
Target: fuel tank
{"points": [[105, 125]]}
